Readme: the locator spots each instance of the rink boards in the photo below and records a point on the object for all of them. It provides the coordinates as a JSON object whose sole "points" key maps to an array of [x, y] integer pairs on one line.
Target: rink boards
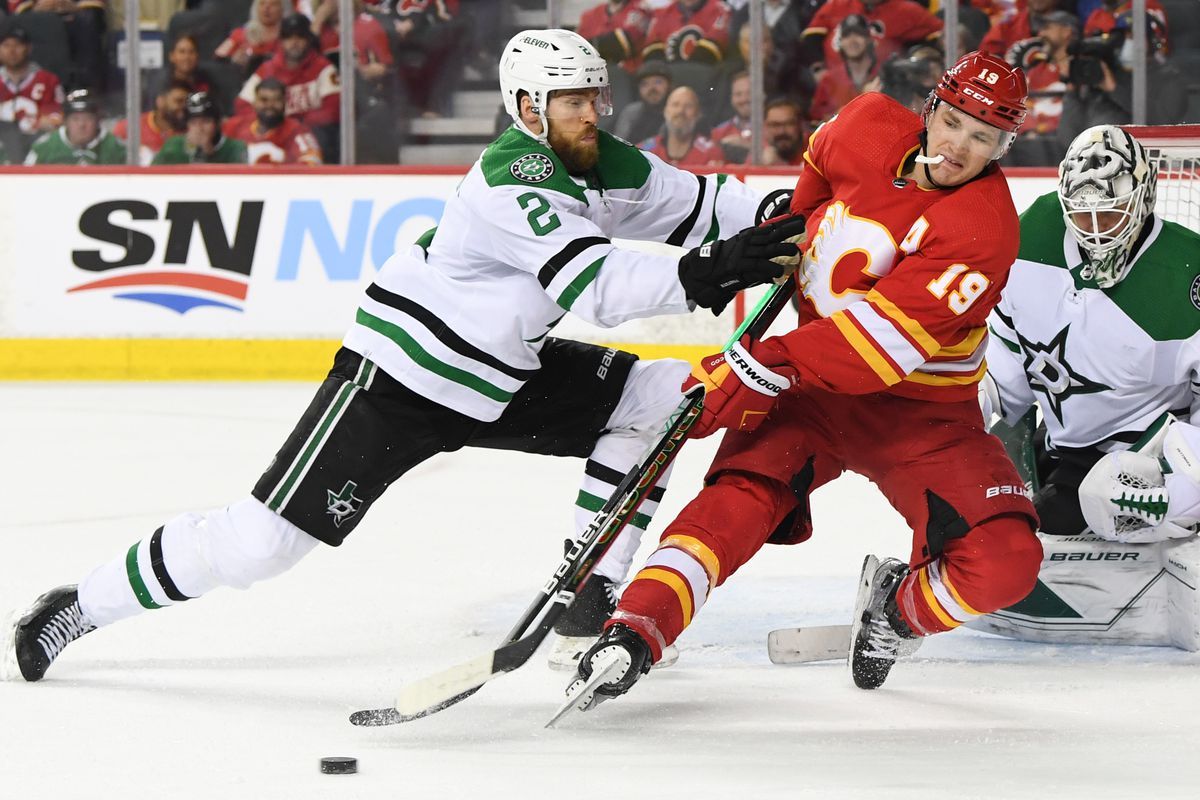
{"points": [[112, 274]]}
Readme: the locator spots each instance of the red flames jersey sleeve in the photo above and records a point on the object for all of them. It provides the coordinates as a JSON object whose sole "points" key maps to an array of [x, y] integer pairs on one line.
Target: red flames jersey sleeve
{"points": [[897, 282], [679, 34], [289, 143]]}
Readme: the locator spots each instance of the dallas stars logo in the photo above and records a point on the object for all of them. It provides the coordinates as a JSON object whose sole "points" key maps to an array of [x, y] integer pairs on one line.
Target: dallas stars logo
{"points": [[532, 168], [344, 504], [1049, 373]]}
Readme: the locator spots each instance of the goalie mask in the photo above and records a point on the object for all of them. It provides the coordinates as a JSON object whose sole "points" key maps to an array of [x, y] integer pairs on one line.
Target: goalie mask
{"points": [[540, 62], [1106, 187]]}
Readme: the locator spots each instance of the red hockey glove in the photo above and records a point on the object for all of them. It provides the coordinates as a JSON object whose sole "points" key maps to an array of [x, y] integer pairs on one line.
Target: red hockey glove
{"points": [[740, 386]]}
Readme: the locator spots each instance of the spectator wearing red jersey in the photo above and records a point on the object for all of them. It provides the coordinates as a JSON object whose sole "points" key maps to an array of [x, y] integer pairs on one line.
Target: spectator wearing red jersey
{"points": [[1023, 25], [312, 82], [431, 53], [733, 135], [270, 135], [168, 118], [31, 98], [1047, 64], [854, 71], [679, 144], [257, 40], [895, 26], [785, 132], [689, 30], [85, 22], [617, 29]]}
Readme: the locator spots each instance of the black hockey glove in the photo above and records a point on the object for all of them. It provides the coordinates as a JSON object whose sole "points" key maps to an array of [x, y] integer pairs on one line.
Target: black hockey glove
{"points": [[714, 273]]}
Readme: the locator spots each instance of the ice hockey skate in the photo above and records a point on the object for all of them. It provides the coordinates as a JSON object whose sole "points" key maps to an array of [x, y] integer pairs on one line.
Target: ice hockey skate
{"points": [[37, 637], [580, 625], [879, 635], [608, 669]]}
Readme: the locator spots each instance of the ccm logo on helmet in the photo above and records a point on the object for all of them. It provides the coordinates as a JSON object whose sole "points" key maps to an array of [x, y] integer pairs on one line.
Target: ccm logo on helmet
{"points": [[751, 373], [983, 98]]}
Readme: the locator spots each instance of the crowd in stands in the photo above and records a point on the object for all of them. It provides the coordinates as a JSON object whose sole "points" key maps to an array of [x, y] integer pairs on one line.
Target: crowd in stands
{"points": [[264, 73]]}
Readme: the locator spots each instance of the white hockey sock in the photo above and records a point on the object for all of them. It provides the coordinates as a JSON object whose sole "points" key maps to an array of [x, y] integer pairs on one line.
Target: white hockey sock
{"points": [[191, 555], [652, 392]]}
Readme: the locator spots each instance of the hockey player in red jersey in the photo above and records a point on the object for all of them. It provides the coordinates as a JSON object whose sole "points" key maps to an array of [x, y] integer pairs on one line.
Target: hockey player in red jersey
{"points": [[911, 231]]}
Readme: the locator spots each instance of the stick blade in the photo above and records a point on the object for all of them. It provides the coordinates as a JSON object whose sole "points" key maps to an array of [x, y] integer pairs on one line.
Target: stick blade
{"points": [[805, 645]]}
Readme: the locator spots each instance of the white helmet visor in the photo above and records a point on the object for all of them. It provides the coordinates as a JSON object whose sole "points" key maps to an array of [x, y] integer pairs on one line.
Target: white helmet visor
{"points": [[568, 104]]}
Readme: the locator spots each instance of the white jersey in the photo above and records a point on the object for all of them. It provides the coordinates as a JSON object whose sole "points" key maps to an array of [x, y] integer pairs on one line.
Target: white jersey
{"points": [[1103, 364], [460, 316]]}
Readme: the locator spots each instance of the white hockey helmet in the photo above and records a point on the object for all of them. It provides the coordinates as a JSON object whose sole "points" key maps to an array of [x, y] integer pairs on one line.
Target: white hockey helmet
{"points": [[1106, 171], [543, 61]]}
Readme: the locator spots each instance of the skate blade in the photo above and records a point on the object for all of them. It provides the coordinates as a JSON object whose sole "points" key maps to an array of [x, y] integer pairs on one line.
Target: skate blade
{"points": [[568, 650], [581, 695]]}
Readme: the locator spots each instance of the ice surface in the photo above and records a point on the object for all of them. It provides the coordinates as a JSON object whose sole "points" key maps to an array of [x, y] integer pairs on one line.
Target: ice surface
{"points": [[238, 694]]}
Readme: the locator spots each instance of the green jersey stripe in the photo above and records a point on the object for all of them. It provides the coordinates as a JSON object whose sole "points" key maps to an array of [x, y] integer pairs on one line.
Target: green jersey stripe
{"points": [[426, 360], [140, 591], [589, 502], [581, 282], [565, 256]]}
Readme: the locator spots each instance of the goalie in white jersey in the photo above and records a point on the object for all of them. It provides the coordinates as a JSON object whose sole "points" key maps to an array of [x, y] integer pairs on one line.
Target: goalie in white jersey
{"points": [[451, 348], [1099, 325]]}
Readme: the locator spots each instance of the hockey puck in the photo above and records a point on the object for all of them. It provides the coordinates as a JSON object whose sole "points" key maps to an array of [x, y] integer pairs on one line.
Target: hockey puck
{"points": [[339, 765]]}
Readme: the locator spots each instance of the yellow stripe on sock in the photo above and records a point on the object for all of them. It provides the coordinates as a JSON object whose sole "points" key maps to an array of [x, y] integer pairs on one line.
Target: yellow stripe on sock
{"points": [[931, 601], [674, 582]]}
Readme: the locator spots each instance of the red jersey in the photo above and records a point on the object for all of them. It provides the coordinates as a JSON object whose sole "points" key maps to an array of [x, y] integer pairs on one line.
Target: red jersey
{"points": [[1004, 35], [35, 98], [152, 137], [702, 153], [1047, 85], [312, 88], [627, 28], [289, 143], [370, 41], [678, 33], [895, 24], [238, 41], [897, 281]]}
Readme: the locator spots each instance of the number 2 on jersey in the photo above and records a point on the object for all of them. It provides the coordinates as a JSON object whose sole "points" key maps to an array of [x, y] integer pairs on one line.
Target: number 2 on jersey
{"points": [[540, 217], [971, 285]]}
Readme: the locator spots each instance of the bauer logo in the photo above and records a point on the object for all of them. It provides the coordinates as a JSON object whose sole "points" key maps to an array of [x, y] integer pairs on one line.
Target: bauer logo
{"points": [[222, 282], [532, 168]]}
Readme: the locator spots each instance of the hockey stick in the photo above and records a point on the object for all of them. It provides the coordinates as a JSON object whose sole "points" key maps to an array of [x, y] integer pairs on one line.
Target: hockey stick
{"points": [[444, 689], [804, 645]]}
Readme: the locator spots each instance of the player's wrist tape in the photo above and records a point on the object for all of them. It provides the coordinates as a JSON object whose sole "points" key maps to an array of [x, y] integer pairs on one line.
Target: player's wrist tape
{"points": [[752, 373]]}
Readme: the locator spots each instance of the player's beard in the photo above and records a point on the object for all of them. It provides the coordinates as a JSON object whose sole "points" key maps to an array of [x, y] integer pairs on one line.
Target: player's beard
{"points": [[577, 156]]}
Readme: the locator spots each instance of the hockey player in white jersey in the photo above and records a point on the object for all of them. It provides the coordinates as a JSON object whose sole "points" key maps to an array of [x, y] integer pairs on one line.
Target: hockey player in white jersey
{"points": [[1099, 325], [451, 348]]}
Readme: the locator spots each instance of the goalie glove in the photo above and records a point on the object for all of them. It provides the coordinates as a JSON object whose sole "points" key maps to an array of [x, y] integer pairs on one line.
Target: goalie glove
{"points": [[740, 386], [1133, 498], [713, 273]]}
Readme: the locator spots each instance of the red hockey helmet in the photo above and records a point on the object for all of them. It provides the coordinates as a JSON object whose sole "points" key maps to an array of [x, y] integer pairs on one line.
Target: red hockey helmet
{"points": [[988, 88]]}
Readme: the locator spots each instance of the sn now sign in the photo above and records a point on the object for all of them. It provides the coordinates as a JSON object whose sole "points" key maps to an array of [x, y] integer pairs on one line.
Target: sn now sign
{"points": [[196, 254]]}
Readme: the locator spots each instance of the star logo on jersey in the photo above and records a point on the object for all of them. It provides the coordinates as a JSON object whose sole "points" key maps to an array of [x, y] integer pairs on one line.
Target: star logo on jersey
{"points": [[532, 168], [1050, 373], [343, 505]]}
